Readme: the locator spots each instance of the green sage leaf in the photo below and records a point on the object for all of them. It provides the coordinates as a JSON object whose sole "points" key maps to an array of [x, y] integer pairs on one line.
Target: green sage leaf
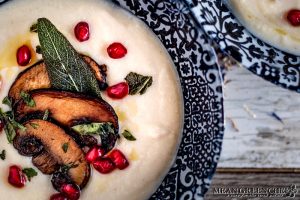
{"points": [[138, 84], [66, 68]]}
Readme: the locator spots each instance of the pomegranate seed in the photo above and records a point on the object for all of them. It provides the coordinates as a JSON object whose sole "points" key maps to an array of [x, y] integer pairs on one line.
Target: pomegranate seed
{"points": [[104, 165], [82, 31], [71, 191], [58, 196], [293, 17], [118, 91], [94, 153], [118, 159], [23, 55], [116, 50], [2, 124], [16, 177]]}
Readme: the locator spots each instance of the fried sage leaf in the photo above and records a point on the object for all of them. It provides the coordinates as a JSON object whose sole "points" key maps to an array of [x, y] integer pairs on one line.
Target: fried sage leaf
{"points": [[138, 84], [106, 132], [66, 68]]}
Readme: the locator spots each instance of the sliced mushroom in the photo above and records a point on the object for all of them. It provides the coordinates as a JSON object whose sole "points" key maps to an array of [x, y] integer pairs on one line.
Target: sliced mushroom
{"points": [[45, 163], [53, 138], [28, 145], [36, 77], [68, 108], [100, 72]]}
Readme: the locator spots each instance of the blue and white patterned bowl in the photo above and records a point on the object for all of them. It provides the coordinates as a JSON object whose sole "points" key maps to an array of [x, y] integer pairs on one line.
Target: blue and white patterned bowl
{"points": [[270, 63], [195, 62]]}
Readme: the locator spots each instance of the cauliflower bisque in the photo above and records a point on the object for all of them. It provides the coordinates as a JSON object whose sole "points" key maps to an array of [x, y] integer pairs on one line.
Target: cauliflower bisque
{"points": [[267, 19], [151, 119]]}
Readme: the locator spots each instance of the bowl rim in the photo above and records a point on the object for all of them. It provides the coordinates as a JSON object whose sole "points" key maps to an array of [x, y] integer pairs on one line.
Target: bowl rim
{"points": [[264, 60]]}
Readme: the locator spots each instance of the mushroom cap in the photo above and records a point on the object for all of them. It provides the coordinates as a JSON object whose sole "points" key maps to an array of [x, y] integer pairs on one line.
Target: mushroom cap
{"points": [[36, 77], [53, 139], [68, 108]]}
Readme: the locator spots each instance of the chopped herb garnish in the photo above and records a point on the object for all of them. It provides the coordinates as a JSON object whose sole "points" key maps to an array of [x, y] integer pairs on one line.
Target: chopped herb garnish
{"points": [[30, 173], [65, 168], [127, 135], [65, 147], [138, 84], [38, 49], [33, 28], [10, 125], [46, 115], [106, 132], [27, 99], [3, 155], [7, 102], [34, 125]]}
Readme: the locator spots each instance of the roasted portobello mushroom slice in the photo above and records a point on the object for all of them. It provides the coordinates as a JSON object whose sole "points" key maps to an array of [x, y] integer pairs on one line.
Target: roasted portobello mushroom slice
{"points": [[53, 138], [45, 163], [67, 108], [36, 77]]}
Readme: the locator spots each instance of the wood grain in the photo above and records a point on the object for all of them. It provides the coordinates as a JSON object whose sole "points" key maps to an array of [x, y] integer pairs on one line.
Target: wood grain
{"points": [[254, 138], [252, 180]]}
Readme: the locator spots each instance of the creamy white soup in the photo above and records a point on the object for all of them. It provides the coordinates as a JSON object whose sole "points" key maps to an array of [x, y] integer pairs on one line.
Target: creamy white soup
{"points": [[267, 19], [154, 118]]}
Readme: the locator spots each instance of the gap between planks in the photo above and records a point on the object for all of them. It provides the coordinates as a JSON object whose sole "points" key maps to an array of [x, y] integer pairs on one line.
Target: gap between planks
{"points": [[257, 170]]}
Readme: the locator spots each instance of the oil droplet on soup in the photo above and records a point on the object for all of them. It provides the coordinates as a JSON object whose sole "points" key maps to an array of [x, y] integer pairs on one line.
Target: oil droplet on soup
{"points": [[8, 54]]}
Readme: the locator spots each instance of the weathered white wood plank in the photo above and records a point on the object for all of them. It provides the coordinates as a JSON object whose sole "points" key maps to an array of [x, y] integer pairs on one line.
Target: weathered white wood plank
{"points": [[255, 138]]}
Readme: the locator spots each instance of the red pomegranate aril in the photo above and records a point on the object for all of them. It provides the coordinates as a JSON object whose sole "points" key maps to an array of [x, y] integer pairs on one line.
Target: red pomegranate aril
{"points": [[116, 50], [118, 159], [71, 191], [2, 124], [118, 91], [58, 196], [293, 17], [16, 177], [23, 55], [82, 31], [94, 153], [104, 165]]}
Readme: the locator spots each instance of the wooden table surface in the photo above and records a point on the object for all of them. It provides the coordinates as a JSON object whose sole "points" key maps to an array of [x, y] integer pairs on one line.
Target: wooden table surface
{"points": [[262, 136], [229, 179]]}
